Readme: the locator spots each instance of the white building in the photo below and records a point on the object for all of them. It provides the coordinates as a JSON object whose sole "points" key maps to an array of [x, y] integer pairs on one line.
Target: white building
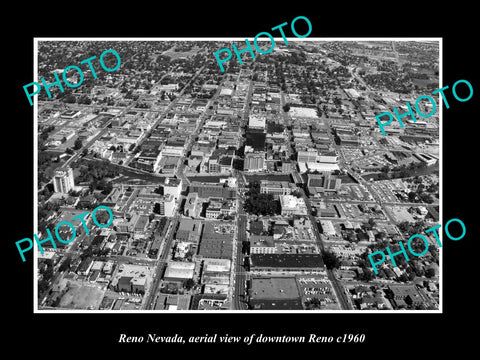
{"points": [[256, 122], [216, 265], [291, 205], [328, 228], [179, 270], [172, 186], [63, 180]]}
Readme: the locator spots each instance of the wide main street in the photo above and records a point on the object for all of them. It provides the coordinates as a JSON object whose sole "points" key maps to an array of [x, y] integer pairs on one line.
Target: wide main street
{"points": [[339, 289]]}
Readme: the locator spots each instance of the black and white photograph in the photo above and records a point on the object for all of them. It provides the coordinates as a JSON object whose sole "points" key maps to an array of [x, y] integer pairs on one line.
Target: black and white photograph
{"points": [[268, 186], [192, 180]]}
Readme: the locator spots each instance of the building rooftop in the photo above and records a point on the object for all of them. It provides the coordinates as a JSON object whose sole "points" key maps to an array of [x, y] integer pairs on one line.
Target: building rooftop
{"points": [[277, 304], [274, 288], [261, 240], [291, 202], [287, 260]]}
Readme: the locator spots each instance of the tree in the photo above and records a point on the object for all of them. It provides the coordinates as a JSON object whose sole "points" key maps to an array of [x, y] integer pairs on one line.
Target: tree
{"points": [[188, 284], [258, 203], [77, 144], [65, 264], [286, 107], [430, 272], [331, 260], [102, 216], [48, 273], [372, 223], [69, 99], [42, 286], [367, 275], [190, 254], [313, 304]]}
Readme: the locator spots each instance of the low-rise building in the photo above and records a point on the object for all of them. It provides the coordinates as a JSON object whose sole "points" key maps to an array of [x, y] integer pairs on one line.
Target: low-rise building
{"points": [[276, 188], [262, 244], [291, 205], [179, 271], [131, 278]]}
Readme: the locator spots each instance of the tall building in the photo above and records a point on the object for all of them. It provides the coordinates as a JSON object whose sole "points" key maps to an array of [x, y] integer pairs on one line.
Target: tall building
{"points": [[172, 186], [254, 161], [63, 180], [166, 205]]}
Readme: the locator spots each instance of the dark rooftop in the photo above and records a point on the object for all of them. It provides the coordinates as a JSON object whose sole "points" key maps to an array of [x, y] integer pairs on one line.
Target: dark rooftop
{"points": [[295, 304], [287, 260]]}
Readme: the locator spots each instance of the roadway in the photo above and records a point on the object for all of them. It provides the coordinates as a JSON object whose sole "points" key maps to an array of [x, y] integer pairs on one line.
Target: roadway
{"points": [[339, 289], [165, 111], [240, 277], [100, 134], [344, 165], [343, 299], [150, 295]]}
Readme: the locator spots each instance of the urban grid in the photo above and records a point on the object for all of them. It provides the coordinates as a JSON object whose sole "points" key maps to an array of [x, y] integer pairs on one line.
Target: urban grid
{"points": [[264, 187]]}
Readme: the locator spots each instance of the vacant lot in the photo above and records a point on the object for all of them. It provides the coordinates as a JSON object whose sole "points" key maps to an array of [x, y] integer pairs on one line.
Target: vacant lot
{"points": [[82, 297]]}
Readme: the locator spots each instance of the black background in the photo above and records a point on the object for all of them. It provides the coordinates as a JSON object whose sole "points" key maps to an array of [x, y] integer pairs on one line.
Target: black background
{"points": [[386, 334]]}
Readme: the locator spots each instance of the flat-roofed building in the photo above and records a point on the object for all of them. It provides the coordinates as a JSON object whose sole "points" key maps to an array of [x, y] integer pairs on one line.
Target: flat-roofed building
{"points": [[291, 205], [276, 188], [274, 293], [189, 231], [328, 228], [402, 292], [217, 240], [262, 244], [172, 186], [284, 263], [140, 224], [328, 157], [309, 155], [324, 182], [166, 205], [179, 271], [287, 166], [216, 265], [256, 122], [254, 161], [207, 190], [131, 278]]}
